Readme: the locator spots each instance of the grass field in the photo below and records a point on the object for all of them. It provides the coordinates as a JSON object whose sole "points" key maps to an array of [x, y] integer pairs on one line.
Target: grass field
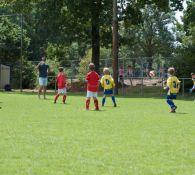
{"points": [[139, 137]]}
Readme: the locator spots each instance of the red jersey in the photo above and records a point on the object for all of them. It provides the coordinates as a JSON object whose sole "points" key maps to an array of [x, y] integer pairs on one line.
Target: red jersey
{"points": [[92, 81], [61, 80]]}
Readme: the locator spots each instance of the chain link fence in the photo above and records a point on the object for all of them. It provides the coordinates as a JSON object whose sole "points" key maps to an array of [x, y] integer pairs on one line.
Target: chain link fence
{"points": [[130, 84]]}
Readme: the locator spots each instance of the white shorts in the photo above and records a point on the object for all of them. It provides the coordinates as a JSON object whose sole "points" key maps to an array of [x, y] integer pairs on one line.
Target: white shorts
{"points": [[62, 91], [91, 94], [42, 81]]}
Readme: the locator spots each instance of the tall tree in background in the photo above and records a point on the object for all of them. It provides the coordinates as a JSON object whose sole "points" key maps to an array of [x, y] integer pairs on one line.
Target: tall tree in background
{"points": [[153, 36], [185, 57]]}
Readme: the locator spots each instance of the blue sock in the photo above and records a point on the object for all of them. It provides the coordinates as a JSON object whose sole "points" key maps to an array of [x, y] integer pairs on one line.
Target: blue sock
{"points": [[113, 99], [103, 101], [170, 103]]}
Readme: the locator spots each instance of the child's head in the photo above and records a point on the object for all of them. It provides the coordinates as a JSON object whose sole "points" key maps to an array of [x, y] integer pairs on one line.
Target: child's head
{"points": [[43, 59], [171, 71], [193, 75], [129, 66], [60, 69], [91, 66], [106, 71]]}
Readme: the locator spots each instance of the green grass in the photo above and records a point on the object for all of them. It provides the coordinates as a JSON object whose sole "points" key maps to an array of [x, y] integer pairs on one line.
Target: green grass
{"points": [[139, 137]]}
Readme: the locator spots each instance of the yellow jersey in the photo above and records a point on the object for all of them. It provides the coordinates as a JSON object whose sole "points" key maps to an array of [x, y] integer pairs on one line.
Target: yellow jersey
{"points": [[173, 84], [193, 79], [107, 82]]}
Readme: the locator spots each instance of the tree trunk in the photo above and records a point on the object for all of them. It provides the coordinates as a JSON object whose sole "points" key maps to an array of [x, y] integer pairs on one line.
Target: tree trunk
{"points": [[95, 33], [115, 45]]}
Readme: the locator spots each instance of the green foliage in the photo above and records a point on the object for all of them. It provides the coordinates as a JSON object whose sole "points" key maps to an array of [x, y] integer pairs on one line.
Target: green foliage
{"points": [[10, 39], [152, 37], [184, 61], [57, 52], [29, 75], [63, 28], [84, 65]]}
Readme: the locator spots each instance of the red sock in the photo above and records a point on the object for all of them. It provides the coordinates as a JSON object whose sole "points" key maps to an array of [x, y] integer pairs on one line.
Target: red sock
{"points": [[87, 103], [64, 98], [96, 104], [56, 97]]}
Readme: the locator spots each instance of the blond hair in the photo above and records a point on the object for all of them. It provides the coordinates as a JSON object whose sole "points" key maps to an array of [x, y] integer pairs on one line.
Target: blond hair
{"points": [[171, 70], [106, 71]]}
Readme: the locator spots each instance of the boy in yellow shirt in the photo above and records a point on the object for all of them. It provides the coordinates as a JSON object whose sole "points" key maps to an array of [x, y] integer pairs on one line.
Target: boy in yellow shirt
{"points": [[173, 85], [108, 84]]}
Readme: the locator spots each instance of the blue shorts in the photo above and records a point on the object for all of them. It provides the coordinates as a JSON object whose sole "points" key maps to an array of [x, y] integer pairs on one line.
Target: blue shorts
{"points": [[108, 92], [42, 81], [171, 96]]}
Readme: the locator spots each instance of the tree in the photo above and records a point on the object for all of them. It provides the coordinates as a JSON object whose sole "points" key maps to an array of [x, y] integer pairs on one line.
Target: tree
{"points": [[185, 57], [152, 36], [10, 38]]}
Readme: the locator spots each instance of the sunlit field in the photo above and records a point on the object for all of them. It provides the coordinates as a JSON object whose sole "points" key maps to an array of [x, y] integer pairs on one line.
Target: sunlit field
{"points": [[139, 137]]}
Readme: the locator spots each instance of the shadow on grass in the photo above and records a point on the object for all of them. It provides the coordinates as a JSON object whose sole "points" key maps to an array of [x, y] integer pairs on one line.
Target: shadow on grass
{"points": [[181, 113]]}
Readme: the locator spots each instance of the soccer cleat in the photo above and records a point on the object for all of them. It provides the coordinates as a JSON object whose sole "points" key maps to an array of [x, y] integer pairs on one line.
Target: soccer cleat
{"points": [[97, 109], [115, 105], [87, 109], [54, 102], [173, 109]]}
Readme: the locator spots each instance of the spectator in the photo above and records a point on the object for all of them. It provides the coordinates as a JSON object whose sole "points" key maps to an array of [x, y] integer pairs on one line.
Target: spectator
{"points": [[43, 69]]}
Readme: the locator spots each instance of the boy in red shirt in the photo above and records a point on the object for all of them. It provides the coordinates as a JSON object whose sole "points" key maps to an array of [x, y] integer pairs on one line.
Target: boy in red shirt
{"points": [[92, 79], [61, 83]]}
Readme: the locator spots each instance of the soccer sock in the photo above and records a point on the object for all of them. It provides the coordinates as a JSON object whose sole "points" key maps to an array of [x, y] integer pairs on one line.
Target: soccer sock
{"points": [[170, 103], [87, 103], [113, 99], [64, 98], [96, 104], [103, 101], [56, 97]]}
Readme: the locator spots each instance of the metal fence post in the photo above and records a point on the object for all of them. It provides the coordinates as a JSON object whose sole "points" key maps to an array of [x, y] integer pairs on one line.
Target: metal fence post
{"points": [[162, 86], [21, 51], [142, 83], [55, 85], [183, 86]]}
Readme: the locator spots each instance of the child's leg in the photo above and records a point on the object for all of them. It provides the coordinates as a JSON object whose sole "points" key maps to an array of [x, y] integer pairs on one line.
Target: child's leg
{"points": [[44, 91], [87, 103], [170, 101], [191, 90], [103, 100], [56, 97], [39, 91], [96, 103], [64, 98], [64, 95], [113, 99]]}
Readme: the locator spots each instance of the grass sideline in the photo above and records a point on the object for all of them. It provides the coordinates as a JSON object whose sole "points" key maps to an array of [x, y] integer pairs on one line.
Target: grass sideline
{"points": [[140, 136]]}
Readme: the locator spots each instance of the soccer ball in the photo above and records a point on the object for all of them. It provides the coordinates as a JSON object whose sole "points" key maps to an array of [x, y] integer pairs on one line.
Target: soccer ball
{"points": [[152, 73]]}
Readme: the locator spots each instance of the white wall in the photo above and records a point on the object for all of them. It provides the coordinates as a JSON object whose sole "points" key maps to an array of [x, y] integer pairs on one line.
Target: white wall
{"points": [[4, 75]]}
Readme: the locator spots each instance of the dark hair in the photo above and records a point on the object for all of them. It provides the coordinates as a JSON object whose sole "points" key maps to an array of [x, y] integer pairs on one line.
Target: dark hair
{"points": [[60, 69], [43, 58]]}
